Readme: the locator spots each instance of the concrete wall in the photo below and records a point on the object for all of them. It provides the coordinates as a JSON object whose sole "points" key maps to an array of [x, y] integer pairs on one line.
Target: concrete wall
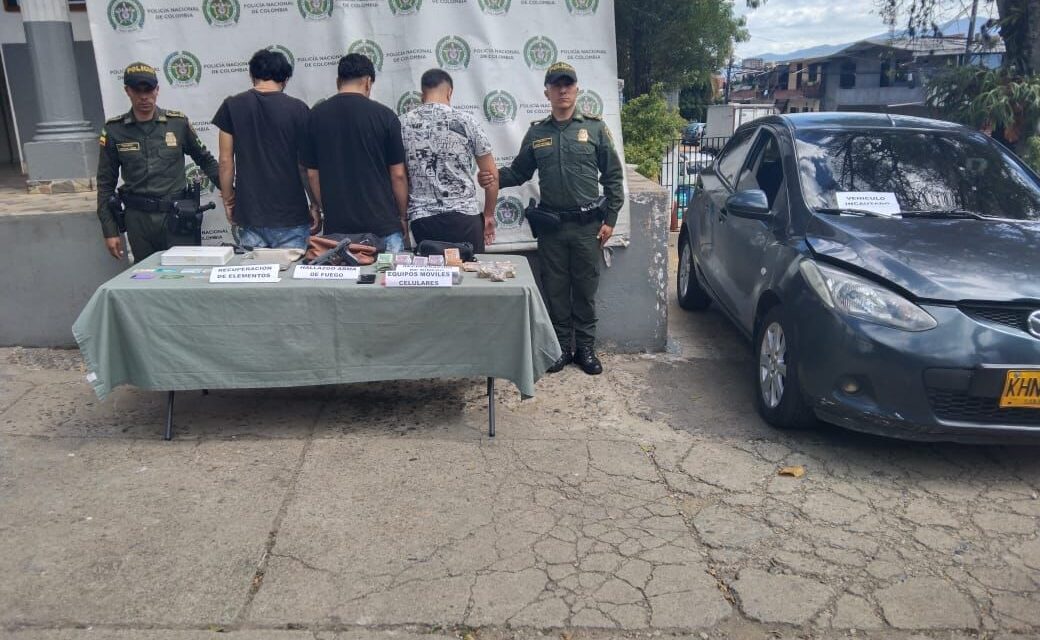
{"points": [[53, 262], [632, 300]]}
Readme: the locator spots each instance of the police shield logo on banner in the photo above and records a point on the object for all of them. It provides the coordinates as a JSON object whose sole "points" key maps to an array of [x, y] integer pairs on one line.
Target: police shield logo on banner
{"points": [[315, 9], [499, 107], [193, 172], [540, 52], [405, 7], [590, 103], [408, 101], [221, 13], [509, 212], [582, 7], [453, 53], [494, 7], [277, 48], [370, 50], [182, 69], [125, 15]]}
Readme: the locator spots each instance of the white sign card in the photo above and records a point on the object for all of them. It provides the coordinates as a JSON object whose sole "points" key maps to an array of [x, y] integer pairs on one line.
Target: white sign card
{"points": [[413, 269], [325, 272], [250, 273], [879, 202], [419, 278]]}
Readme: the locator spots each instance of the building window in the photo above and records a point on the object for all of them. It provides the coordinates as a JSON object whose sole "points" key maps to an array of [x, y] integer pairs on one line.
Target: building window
{"points": [[814, 73], [781, 79], [848, 75], [894, 74], [74, 5], [798, 78]]}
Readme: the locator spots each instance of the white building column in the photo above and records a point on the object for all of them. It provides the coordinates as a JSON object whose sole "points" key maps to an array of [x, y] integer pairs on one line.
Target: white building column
{"points": [[62, 155]]}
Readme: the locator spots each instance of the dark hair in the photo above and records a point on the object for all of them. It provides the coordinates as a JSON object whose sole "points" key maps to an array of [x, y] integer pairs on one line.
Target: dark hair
{"points": [[270, 65], [435, 78], [353, 66]]}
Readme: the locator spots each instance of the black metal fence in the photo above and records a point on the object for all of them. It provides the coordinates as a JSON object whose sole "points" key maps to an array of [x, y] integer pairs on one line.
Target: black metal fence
{"points": [[683, 162]]}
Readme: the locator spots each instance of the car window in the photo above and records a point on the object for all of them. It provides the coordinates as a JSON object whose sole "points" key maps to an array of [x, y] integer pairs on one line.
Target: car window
{"points": [[765, 170], [922, 170], [732, 157]]}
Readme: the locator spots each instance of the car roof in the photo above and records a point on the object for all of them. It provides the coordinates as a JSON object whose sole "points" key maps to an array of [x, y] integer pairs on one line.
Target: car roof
{"points": [[854, 120]]}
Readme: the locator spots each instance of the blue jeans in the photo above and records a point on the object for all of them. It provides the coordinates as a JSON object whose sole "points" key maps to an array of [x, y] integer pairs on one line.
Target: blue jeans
{"points": [[274, 237], [394, 242]]}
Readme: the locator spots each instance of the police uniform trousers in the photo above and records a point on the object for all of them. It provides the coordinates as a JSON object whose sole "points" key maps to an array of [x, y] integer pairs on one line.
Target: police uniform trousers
{"points": [[147, 234], [570, 257]]}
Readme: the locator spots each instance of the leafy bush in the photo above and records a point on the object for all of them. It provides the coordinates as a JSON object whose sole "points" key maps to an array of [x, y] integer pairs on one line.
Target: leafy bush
{"points": [[1031, 152], [650, 129], [999, 100]]}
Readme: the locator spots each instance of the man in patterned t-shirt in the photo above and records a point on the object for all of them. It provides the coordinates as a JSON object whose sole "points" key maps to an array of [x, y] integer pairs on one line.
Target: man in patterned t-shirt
{"points": [[441, 145]]}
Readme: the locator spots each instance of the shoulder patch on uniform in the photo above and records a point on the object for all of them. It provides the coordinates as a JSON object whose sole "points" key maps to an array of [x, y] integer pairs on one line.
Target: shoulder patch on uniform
{"points": [[115, 118], [170, 113], [543, 142], [589, 116]]}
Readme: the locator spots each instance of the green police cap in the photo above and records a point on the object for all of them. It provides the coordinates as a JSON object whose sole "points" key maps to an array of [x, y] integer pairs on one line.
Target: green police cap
{"points": [[560, 70], [139, 73]]}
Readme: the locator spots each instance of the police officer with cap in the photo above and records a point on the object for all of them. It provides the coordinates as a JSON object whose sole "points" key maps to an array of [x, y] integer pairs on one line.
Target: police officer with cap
{"points": [[574, 154], [147, 145]]}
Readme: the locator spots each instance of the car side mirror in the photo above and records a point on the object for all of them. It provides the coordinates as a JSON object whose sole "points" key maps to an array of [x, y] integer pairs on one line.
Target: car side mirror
{"points": [[751, 203]]}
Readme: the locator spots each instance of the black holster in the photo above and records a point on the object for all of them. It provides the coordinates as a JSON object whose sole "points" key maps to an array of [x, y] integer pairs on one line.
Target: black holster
{"points": [[543, 219]]}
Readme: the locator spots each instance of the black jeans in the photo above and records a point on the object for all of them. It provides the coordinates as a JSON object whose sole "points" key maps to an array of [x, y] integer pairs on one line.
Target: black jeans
{"points": [[451, 227]]}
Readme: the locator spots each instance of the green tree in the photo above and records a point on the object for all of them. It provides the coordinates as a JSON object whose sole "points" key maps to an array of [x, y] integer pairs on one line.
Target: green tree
{"points": [[674, 42], [650, 128], [694, 101]]}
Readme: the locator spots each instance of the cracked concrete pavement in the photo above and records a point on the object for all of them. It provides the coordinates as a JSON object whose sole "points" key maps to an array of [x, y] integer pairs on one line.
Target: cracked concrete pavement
{"points": [[645, 502]]}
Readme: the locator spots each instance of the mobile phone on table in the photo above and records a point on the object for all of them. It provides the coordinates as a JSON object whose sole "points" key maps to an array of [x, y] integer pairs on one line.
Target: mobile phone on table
{"points": [[366, 278]]}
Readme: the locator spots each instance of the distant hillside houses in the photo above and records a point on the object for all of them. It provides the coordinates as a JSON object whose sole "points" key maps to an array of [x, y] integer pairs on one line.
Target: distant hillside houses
{"points": [[882, 74]]}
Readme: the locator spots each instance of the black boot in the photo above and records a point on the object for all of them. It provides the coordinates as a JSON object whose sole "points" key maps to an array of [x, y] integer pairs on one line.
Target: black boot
{"points": [[585, 357], [560, 363]]}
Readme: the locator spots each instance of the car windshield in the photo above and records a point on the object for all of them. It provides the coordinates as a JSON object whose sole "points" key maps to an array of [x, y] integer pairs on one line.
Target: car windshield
{"points": [[914, 172]]}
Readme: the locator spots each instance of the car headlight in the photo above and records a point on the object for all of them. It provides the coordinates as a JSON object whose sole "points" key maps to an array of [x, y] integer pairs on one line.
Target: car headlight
{"points": [[860, 298]]}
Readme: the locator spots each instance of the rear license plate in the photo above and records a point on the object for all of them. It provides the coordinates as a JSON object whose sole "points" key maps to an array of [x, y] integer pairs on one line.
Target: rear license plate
{"points": [[1021, 390]]}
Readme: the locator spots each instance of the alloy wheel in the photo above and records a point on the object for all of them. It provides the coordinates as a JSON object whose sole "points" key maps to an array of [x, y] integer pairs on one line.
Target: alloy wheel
{"points": [[685, 270], [772, 365]]}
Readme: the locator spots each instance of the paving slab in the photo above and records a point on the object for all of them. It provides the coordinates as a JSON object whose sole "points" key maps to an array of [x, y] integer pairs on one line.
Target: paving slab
{"points": [[98, 532], [398, 531]]}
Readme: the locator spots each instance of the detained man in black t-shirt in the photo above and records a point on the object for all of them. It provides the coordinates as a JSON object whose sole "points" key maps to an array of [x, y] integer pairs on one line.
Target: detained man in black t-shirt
{"points": [[261, 179], [355, 159]]}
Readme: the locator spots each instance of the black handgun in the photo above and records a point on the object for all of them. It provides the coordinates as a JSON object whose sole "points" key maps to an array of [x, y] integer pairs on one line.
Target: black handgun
{"points": [[186, 217]]}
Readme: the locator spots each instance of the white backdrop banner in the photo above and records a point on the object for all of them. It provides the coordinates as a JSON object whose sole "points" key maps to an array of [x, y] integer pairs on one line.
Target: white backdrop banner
{"points": [[496, 50]]}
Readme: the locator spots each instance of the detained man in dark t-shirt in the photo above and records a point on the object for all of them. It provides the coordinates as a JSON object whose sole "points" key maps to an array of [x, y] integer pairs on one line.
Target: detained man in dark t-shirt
{"points": [[261, 180], [355, 159]]}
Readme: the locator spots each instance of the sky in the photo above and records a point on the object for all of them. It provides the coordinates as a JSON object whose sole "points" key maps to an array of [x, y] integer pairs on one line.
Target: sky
{"points": [[780, 26]]}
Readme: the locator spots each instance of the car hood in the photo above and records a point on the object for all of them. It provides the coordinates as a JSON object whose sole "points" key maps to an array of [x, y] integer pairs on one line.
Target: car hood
{"points": [[947, 260]]}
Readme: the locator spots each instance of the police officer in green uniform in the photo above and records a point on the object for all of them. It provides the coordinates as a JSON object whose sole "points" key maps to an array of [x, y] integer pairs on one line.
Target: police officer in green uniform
{"points": [[574, 154], [147, 144]]}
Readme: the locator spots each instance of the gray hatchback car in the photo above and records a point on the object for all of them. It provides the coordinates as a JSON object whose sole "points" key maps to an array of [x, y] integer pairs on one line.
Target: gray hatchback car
{"points": [[886, 269]]}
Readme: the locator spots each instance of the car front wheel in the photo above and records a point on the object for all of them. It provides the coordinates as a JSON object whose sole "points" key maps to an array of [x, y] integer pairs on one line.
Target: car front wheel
{"points": [[692, 296], [779, 395]]}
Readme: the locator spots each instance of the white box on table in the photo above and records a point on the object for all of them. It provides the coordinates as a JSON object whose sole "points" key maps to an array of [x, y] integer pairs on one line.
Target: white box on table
{"points": [[207, 256]]}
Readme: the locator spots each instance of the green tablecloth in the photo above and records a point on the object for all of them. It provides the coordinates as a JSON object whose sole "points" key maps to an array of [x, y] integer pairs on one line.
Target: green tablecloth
{"points": [[180, 334]]}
